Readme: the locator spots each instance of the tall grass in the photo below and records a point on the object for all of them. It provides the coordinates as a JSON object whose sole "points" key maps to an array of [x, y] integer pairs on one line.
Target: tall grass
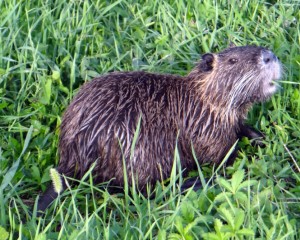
{"points": [[50, 48]]}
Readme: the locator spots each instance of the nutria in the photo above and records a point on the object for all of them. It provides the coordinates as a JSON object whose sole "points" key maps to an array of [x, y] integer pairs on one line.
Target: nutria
{"points": [[204, 110]]}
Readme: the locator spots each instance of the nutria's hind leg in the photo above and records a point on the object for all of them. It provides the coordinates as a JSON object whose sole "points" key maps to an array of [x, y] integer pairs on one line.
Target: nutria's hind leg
{"points": [[194, 182], [191, 182], [252, 134], [48, 197]]}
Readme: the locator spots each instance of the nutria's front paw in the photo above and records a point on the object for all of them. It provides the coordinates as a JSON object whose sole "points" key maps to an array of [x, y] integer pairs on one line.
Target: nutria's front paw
{"points": [[256, 137], [258, 142]]}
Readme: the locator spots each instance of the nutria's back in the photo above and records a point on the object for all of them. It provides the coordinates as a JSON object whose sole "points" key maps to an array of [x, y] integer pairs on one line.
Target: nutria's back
{"points": [[204, 110]]}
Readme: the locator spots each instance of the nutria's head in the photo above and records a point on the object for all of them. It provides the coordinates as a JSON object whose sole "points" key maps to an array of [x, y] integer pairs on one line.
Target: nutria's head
{"points": [[237, 76]]}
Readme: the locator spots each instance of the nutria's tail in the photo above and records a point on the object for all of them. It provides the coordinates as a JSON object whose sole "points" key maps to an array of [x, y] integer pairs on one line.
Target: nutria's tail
{"points": [[48, 197]]}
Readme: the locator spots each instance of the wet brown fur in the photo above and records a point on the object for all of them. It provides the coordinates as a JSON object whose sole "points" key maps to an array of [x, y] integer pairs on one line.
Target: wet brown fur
{"points": [[204, 110]]}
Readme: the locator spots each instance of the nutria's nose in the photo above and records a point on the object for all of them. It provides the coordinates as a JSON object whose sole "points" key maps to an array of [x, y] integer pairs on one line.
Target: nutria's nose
{"points": [[268, 56]]}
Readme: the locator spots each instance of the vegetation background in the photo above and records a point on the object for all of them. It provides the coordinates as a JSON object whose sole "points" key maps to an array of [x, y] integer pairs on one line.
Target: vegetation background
{"points": [[49, 48]]}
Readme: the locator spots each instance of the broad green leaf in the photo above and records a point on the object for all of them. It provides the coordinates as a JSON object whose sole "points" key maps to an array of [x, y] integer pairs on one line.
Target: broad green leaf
{"points": [[188, 237], [46, 91], [74, 234], [245, 232], [174, 236], [227, 215], [223, 196], [218, 226], [178, 225], [3, 104], [189, 227], [162, 234], [237, 179], [41, 236], [211, 236], [35, 173], [187, 211], [241, 197], [55, 75], [3, 234], [239, 219], [226, 184], [247, 183]]}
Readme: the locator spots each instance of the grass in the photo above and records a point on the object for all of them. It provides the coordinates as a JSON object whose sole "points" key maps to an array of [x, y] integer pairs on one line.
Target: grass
{"points": [[50, 48]]}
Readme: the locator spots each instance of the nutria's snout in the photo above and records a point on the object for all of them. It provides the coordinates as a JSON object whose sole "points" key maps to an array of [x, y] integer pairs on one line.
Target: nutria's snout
{"points": [[268, 56], [272, 72]]}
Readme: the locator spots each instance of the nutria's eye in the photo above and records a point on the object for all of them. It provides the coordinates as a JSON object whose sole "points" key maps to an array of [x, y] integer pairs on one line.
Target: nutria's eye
{"points": [[232, 60]]}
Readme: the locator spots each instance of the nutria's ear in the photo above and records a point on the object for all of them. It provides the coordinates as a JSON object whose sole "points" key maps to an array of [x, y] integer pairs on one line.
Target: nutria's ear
{"points": [[206, 63]]}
